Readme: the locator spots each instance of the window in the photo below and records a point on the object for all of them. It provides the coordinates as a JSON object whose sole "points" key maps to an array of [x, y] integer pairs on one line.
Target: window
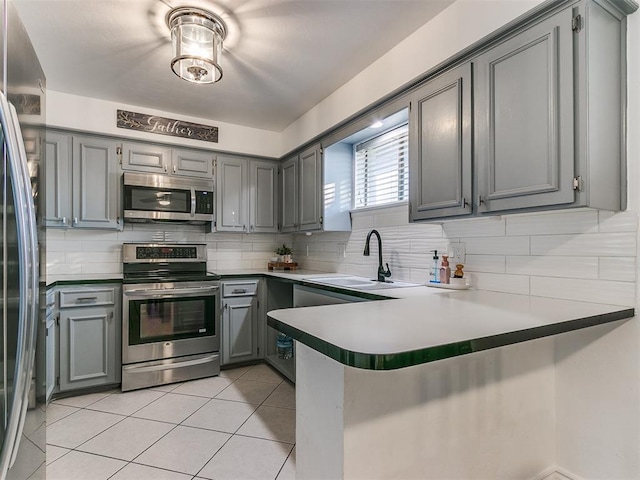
{"points": [[381, 169]]}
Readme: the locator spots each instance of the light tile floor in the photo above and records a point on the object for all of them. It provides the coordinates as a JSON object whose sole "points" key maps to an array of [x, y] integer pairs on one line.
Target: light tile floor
{"points": [[240, 425]]}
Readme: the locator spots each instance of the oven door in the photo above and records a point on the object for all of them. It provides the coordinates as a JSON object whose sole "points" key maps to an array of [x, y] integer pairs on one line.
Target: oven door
{"points": [[167, 320]]}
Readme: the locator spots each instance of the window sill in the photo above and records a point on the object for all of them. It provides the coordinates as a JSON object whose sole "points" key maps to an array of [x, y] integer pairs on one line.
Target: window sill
{"points": [[379, 208]]}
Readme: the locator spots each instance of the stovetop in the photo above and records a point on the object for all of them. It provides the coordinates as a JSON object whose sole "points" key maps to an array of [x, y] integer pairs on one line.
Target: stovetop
{"points": [[163, 262], [171, 278]]}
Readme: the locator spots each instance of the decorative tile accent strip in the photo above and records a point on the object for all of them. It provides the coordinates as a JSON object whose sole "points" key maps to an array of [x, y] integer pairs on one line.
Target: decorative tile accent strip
{"points": [[166, 126]]}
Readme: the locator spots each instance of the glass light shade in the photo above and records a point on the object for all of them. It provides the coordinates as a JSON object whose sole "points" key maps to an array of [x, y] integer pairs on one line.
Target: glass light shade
{"points": [[197, 37]]}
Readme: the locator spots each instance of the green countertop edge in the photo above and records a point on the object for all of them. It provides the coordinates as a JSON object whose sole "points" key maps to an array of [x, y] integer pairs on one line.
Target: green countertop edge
{"points": [[68, 283], [328, 288], [394, 361]]}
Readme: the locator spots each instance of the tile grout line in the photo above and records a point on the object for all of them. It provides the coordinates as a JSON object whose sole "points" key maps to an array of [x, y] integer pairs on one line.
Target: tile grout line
{"points": [[176, 425]]}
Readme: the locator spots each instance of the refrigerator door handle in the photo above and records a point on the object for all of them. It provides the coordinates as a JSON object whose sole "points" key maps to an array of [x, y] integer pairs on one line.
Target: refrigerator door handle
{"points": [[28, 268]]}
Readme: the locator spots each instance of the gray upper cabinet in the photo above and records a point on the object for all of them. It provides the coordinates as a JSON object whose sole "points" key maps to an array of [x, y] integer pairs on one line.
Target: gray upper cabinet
{"points": [[301, 191], [96, 197], [232, 215], [246, 195], [263, 209], [289, 195], [548, 101], [310, 193], [146, 157], [192, 163], [524, 119], [440, 149], [82, 182], [58, 180]]}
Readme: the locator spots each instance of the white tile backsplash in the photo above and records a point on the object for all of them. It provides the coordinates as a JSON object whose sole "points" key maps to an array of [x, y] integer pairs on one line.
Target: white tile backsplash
{"points": [[599, 291], [573, 267], [562, 254], [584, 255], [77, 254], [596, 244], [496, 245], [553, 223]]}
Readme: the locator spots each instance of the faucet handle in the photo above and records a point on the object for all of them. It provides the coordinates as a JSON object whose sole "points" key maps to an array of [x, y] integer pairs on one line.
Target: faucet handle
{"points": [[388, 272]]}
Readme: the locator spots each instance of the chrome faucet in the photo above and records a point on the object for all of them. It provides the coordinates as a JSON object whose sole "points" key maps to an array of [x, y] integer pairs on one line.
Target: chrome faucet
{"points": [[382, 273]]}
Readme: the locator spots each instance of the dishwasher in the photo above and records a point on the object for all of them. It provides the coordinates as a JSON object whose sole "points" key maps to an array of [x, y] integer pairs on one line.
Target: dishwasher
{"points": [[304, 296]]}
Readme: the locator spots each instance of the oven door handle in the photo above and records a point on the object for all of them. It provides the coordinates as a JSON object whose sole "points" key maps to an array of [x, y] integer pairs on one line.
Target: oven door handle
{"points": [[170, 292], [170, 366]]}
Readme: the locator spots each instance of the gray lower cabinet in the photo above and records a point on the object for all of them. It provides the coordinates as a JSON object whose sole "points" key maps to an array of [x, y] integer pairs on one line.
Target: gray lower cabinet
{"points": [[301, 191], [240, 313], [90, 336], [82, 182], [51, 347], [440, 148], [246, 195]]}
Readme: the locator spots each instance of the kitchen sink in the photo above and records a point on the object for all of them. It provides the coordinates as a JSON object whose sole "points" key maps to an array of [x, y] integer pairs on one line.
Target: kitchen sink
{"points": [[361, 283]]}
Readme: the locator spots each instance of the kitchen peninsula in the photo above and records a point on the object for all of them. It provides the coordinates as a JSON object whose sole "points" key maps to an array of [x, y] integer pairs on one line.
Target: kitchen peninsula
{"points": [[439, 385]]}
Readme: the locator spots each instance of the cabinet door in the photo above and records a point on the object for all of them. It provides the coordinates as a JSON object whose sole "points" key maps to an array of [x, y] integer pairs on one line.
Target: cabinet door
{"points": [[310, 194], [58, 180], [440, 147], [289, 195], [192, 163], [51, 358], [144, 157], [231, 194], [96, 186], [239, 329], [263, 212], [88, 347], [524, 118]]}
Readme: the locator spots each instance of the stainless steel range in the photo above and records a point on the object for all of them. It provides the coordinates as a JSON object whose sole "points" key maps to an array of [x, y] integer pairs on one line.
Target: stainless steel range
{"points": [[171, 326]]}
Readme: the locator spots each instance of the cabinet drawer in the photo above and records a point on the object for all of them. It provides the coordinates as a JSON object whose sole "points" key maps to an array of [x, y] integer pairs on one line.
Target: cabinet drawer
{"points": [[238, 289], [85, 297]]}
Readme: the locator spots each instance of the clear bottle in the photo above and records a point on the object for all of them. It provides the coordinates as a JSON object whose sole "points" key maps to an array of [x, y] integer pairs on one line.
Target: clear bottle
{"points": [[435, 269], [284, 346]]}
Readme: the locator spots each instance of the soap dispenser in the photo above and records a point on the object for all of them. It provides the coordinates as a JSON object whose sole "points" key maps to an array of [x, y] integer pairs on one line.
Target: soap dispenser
{"points": [[435, 270], [445, 270]]}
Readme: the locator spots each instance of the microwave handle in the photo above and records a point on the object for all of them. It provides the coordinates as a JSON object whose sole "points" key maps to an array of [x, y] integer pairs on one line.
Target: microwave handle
{"points": [[193, 202]]}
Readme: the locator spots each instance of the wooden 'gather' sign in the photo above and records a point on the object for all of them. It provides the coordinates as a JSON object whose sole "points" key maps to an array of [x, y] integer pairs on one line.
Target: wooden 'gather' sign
{"points": [[166, 126]]}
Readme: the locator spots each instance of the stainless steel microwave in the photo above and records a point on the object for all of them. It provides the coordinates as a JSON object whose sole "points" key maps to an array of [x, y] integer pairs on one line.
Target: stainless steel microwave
{"points": [[150, 197]]}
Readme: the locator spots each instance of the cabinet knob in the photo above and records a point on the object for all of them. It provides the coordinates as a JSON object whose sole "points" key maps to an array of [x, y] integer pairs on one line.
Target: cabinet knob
{"points": [[165, 167], [174, 169], [244, 228], [75, 220], [465, 204], [480, 200], [64, 220]]}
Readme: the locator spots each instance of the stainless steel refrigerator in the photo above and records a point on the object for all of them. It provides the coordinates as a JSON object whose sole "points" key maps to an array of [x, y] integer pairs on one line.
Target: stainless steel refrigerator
{"points": [[21, 111]]}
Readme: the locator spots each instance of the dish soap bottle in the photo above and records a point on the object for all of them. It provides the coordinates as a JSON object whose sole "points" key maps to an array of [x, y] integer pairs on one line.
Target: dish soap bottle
{"points": [[445, 270], [435, 270]]}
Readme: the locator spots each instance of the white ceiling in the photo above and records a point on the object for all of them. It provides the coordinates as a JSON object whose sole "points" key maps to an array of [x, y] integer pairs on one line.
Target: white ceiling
{"points": [[281, 57]]}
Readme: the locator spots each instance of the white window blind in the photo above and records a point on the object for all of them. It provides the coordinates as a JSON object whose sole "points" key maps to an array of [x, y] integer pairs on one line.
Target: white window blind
{"points": [[381, 169]]}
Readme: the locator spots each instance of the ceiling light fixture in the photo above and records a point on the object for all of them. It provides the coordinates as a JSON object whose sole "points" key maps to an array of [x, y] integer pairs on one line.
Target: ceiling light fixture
{"points": [[197, 37], [377, 124]]}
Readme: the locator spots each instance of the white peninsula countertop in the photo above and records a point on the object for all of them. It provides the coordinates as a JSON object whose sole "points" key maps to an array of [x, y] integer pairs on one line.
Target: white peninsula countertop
{"points": [[420, 325]]}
